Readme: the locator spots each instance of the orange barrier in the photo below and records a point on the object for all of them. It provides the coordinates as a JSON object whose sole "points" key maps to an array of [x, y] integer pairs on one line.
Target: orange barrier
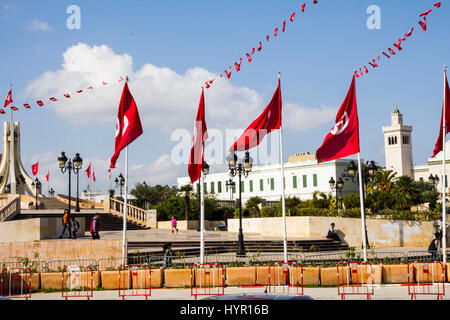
{"points": [[355, 278], [207, 279], [427, 278], [286, 277], [79, 282], [15, 283], [135, 281]]}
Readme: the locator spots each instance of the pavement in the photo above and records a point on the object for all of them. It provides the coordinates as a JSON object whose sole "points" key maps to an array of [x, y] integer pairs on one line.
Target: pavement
{"points": [[381, 292]]}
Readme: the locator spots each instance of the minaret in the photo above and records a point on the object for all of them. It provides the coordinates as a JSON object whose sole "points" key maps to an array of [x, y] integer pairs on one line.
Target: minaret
{"points": [[398, 145]]}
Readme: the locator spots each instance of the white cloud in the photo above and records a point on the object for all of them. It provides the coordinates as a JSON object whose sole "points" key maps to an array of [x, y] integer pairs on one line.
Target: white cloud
{"points": [[166, 100], [38, 25], [162, 171]]}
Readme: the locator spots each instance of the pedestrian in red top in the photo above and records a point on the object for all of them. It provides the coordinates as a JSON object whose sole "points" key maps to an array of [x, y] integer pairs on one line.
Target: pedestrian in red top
{"points": [[174, 224], [95, 228]]}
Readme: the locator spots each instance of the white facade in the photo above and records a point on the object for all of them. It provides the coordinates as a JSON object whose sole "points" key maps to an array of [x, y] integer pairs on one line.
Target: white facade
{"points": [[302, 179], [398, 146]]}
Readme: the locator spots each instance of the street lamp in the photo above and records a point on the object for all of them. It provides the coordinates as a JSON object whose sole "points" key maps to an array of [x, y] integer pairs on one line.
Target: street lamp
{"points": [[433, 180], [244, 167], [120, 182], [37, 185], [51, 192], [337, 186], [368, 173], [230, 185], [71, 165], [77, 159]]}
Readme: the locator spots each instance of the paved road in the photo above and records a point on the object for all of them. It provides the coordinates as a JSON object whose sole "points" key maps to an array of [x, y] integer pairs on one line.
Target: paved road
{"points": [[385, 292]]}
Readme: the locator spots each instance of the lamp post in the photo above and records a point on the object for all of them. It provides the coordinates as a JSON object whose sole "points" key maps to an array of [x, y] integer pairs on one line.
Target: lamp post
{"points": [[368, 173], [120, 182], [77, 207], [242, 168], [337, 186], [433, 180], [37, 185], [70, 165], [51, 192]]}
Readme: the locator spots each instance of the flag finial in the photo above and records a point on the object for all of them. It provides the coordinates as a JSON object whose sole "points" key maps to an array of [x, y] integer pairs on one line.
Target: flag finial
{"points": [[396, 108], [126, 78]]}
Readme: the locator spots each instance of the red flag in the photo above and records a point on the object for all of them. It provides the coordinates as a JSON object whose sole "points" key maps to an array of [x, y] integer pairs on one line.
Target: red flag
{"points": [[303, 7], [26, 105], [104, 83], [14, 108], [409, 33], [437, 4], [90, 88], [121, 79], [228, 73], [275, 32], [238, 65], [425, 13], [267, 37], [8, 99], [200, 135], [292, 17], [423, 23], [93, 175], [40, 103], [260, 46], [249, 58], [2, 111], [34, 168], [268, 120], [47, 176], [284, 26], [128, 125], [88, 171], [343, 138], [67, 95], [79, 91], [446, 105]]}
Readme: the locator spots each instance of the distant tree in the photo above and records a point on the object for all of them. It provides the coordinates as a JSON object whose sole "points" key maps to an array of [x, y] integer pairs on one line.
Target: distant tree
{"points": [[405, 193], [187, 190], [252, 205], [351, 200]]}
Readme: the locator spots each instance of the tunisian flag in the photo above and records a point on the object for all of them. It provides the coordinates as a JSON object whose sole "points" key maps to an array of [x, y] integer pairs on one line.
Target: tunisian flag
{"points": [[268, 120], [128, 125], [195, 164], [446, 105], [8, 99], [48, 175], [34, 168], [88, 171], [93, 175], [343, 138]]}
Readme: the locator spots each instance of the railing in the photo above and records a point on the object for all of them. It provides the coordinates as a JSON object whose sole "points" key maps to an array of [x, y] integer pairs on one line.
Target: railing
{"points": [[134, 214], [10, 209]]}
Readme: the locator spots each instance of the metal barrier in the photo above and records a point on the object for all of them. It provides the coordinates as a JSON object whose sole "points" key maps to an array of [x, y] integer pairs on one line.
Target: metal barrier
{"points": [[15, 283], [110, 264], [287, 277], [207, 279], [426, 278], [62, 265], [79, 282], [355, 278], [135, 281]]}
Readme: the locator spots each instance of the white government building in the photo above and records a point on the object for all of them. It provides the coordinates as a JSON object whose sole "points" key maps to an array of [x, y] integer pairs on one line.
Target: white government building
{"points": [[304, 176]]}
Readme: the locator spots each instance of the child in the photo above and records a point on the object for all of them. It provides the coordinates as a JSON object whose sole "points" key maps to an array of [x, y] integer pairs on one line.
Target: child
{"points": [[174, 224]]}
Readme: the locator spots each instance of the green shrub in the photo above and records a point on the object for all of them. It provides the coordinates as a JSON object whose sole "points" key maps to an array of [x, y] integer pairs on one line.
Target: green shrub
{"points": [[268, 212]]}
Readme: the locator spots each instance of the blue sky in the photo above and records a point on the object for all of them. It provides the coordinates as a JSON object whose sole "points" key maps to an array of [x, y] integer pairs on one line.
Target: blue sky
{"points": [[185, 40]]}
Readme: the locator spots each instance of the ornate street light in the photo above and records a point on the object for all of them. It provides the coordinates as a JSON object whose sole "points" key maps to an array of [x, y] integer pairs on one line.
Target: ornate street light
{"points": [[336, 186], [368, 174], [120, 182], [240, 168], [433, 180], [70, 165], [37, 186], [51, 192]]}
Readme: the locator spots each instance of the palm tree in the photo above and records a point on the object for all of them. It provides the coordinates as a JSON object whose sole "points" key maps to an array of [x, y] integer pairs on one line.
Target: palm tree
{"points": [[187, 189], [405, 193], [383, 181]]}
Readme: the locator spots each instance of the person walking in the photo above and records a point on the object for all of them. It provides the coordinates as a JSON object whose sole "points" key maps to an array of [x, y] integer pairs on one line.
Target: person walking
{"points": [[168, 254], [174, 224], [95, 227], [65, 223], [74, 226]]}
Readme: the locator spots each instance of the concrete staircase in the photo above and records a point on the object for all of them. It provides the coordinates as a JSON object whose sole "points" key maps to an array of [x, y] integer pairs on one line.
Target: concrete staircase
{"points": [[52, 203]]}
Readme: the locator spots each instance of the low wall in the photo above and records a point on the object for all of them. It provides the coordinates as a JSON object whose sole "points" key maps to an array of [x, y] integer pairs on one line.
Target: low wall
{"points": [[381, 233], [35, 229], [64, 249], [190, 224]]}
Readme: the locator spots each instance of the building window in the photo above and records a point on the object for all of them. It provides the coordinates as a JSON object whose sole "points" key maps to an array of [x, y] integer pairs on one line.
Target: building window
{"points": [[234, 188], [395, 140], [219, 186], [205, 187], [314, 180], [198, 187], [405, 139], [242, 186], [261, 185], [294, 182], [212, 187], [251, 185], [305, 185], [272, 184]]}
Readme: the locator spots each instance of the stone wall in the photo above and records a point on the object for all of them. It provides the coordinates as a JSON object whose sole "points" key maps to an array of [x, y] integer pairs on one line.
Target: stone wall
{"points": [[64, 249], [381, 233]]}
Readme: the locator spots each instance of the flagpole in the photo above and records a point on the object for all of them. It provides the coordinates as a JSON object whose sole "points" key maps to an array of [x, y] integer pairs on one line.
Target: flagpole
{"points": [[202, 217], [125, 208], [283, 200], [444, 180], [13, 188], [363, 219]]}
